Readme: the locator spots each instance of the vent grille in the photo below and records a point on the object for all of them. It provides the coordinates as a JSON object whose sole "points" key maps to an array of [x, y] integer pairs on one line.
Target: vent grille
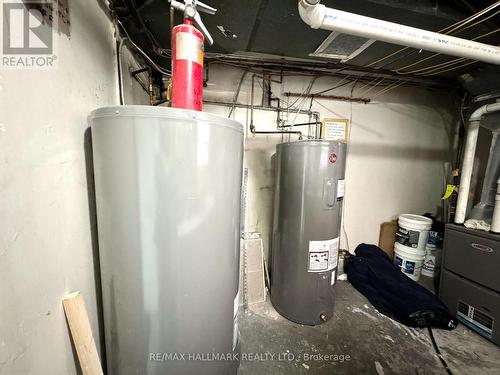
{"points": [[476, 317], [483, 319], [342, 47], [463, 308]]}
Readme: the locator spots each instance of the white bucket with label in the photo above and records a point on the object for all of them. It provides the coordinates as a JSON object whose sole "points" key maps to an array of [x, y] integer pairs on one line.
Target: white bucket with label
{"points": [[409, 260], [413, 231], [432, 261]]}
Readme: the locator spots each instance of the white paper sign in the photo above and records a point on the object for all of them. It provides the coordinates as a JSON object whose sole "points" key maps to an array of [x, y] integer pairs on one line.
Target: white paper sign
{"points": [[335, 130], [323, 255]]}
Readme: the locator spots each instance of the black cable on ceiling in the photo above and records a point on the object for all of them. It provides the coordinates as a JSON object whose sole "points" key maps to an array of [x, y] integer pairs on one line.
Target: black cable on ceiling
{"points": [[134, 11], [132, 7], [144, 54], [333, 88]]}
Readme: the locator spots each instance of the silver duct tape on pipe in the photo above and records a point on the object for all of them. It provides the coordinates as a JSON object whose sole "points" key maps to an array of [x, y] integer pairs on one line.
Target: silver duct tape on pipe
{"points": [[491, 175], [320, 17], [495, 223], [468, 163]]}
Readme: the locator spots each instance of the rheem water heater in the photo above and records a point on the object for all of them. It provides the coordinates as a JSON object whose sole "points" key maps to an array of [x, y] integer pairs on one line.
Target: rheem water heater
{"points": [[306, 229]]}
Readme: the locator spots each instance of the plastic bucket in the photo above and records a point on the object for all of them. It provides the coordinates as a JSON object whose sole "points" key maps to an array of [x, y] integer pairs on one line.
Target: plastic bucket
{"points": [[435, 239], [413, 231], [432, 261], [410, 261]]}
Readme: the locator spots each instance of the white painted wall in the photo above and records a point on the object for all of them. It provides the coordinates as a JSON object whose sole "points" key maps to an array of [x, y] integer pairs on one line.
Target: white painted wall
{"points": [[398, 144], [46, 248]]}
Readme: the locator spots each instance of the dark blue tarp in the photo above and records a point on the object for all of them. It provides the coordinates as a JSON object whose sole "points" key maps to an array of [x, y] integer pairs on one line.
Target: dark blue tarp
{"points": [[394, 294]]}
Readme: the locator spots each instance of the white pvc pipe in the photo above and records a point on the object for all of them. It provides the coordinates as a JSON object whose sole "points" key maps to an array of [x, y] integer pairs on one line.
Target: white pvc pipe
{"points": [[468, 163], [485, 109], [320, 17], [466, 172]]}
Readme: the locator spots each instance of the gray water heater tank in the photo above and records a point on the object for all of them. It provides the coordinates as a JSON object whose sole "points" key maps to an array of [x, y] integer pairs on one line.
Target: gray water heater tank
{"points": [[168, 192], [306, 229]]}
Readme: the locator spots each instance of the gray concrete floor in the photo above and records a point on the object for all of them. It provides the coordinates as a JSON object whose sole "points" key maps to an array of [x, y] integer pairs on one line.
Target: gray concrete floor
{"points": [[359, 340]]}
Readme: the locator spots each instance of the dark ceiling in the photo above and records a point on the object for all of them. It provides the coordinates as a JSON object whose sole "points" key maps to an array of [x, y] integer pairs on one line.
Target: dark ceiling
{"points": [[275, 28]]}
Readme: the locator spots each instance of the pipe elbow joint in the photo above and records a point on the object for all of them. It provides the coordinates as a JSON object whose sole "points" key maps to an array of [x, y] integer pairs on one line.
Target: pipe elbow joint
{"points": [[312, 12], [481, 111]]}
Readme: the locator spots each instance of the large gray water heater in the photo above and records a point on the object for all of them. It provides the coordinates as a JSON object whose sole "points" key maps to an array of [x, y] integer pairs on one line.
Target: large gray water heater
{"points": [[306, 229], [168, 191]]}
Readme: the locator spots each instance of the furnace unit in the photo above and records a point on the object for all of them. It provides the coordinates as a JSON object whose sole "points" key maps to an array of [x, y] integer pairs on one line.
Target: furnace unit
{"points": [[470, 281]]}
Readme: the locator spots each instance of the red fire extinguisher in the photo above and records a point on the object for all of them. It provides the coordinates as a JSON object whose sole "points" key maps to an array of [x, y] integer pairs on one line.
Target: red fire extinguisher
{"points": [[187, 56]]}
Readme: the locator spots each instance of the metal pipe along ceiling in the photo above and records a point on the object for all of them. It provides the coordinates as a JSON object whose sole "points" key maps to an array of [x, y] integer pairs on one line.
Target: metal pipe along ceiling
{"points": [[320, 17]]}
